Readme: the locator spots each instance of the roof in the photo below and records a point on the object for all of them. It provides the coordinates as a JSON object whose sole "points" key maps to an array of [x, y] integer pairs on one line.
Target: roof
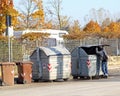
{"points": [[51, 51]]}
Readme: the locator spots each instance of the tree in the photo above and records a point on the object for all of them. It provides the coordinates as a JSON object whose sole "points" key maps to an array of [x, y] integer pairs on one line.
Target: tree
{"points": [[32, 14], [97, 15], [39, 14], [56, 7], [7, 8], [54, 10], [105, 23], [34, 36], [92, 27], [75, 32], [112, 30], [75, 28]]}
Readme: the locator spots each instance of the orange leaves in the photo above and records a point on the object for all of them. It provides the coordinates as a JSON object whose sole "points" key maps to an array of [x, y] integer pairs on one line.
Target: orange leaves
{"points": [[34, 36], [76, 27], [37, 14], [75, 32], [48, 25], [114, 27], [6, 7], [92, 27], [112, 30], [3, 38], [74, 36]]}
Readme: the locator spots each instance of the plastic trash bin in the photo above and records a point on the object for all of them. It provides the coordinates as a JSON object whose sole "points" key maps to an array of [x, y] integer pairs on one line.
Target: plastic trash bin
{"points": [[24, 72], [7, 73]]}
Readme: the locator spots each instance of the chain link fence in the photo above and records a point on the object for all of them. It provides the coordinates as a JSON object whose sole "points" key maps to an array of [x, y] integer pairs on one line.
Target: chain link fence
{"points": [[21, 50]]}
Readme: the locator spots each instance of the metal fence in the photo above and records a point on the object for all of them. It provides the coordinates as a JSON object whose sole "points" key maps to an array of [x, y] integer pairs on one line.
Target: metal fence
{"points": [[21, 50], [113, 49]]}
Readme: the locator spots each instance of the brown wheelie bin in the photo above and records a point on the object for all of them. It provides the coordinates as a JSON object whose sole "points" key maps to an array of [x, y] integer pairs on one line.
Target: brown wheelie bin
{"points": [[7, 73], [24, 72]]}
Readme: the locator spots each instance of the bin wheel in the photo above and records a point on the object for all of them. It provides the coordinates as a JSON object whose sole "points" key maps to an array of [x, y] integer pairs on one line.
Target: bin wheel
{"points": [[36, 80], [24, 81], [75, 77], [66, 79], [82, 77]]}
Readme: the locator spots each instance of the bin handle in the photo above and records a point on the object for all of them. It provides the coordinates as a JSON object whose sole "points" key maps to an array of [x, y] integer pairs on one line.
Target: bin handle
{"points": [[23, 74], [31, 75]]}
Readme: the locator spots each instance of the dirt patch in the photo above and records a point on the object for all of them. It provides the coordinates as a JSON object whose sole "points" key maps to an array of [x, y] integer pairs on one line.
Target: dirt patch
{"points": [[114, 60]]}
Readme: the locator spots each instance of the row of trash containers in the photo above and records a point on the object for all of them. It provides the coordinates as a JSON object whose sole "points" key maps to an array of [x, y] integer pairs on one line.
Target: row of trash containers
{"points": [[8, 72], [52, 63]]}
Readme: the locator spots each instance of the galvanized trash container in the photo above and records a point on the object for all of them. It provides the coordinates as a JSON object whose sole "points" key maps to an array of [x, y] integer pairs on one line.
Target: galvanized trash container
{"points": [[24, 72], [84, 61], [51, 63], [7, 72]]}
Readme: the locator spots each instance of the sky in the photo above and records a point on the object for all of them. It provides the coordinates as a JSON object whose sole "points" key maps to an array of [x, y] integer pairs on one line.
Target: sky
{"points": [[78, 9]]}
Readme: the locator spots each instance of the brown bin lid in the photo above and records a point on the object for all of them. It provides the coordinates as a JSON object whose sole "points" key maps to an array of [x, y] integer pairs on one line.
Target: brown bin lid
{"points": [[24, 62], [7, 63]]}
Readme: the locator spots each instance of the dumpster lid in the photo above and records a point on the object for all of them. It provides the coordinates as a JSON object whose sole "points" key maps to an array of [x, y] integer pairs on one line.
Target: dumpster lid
{"points": [[91, 49], [50, 51], [88, 46], [55, 50]]}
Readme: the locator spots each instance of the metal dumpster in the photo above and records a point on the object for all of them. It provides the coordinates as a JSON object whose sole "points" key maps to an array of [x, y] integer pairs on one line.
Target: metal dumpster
{"points": [[84, 61], [51, 63], [24, 72], [7, 73]]}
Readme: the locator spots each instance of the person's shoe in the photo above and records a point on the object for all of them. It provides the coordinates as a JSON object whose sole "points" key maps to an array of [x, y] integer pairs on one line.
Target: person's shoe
{"points": [[106, 75]]}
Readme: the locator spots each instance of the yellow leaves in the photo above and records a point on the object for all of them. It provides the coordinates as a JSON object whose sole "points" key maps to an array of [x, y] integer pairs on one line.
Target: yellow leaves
{"points": [[48, 25], [3, 38], [37, 14], [6, 8], [75, 36], [112, 30], [106, 29], [76, 27], [114, 27], [75, 32], [34, 36], [92, 27]]}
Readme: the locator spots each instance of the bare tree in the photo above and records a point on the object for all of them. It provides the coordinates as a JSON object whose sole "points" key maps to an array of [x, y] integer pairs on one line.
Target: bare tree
{"points": [[55, 12], [99, 15], [27, 9]]}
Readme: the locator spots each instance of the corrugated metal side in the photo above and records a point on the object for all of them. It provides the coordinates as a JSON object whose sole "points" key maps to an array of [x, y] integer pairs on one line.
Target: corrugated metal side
{"points": [[57, 58], [60, 67]]}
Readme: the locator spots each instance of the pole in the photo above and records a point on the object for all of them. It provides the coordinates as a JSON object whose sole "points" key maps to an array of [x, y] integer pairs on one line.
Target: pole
{"points": [[8, 24], [9, 51]]}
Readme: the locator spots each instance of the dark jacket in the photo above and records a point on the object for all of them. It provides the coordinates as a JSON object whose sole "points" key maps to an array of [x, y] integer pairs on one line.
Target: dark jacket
{"points": [[105, 57]]}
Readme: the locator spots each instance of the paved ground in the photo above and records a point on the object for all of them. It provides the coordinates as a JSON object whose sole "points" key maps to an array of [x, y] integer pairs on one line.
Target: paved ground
{"points": [[96, 87]]}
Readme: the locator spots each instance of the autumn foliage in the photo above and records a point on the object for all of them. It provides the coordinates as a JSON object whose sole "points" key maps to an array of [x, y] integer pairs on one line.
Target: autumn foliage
{"points": [[37, 21], [7, 8], [34, 36], [75, 32], [92, 27], [112, 30]]}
